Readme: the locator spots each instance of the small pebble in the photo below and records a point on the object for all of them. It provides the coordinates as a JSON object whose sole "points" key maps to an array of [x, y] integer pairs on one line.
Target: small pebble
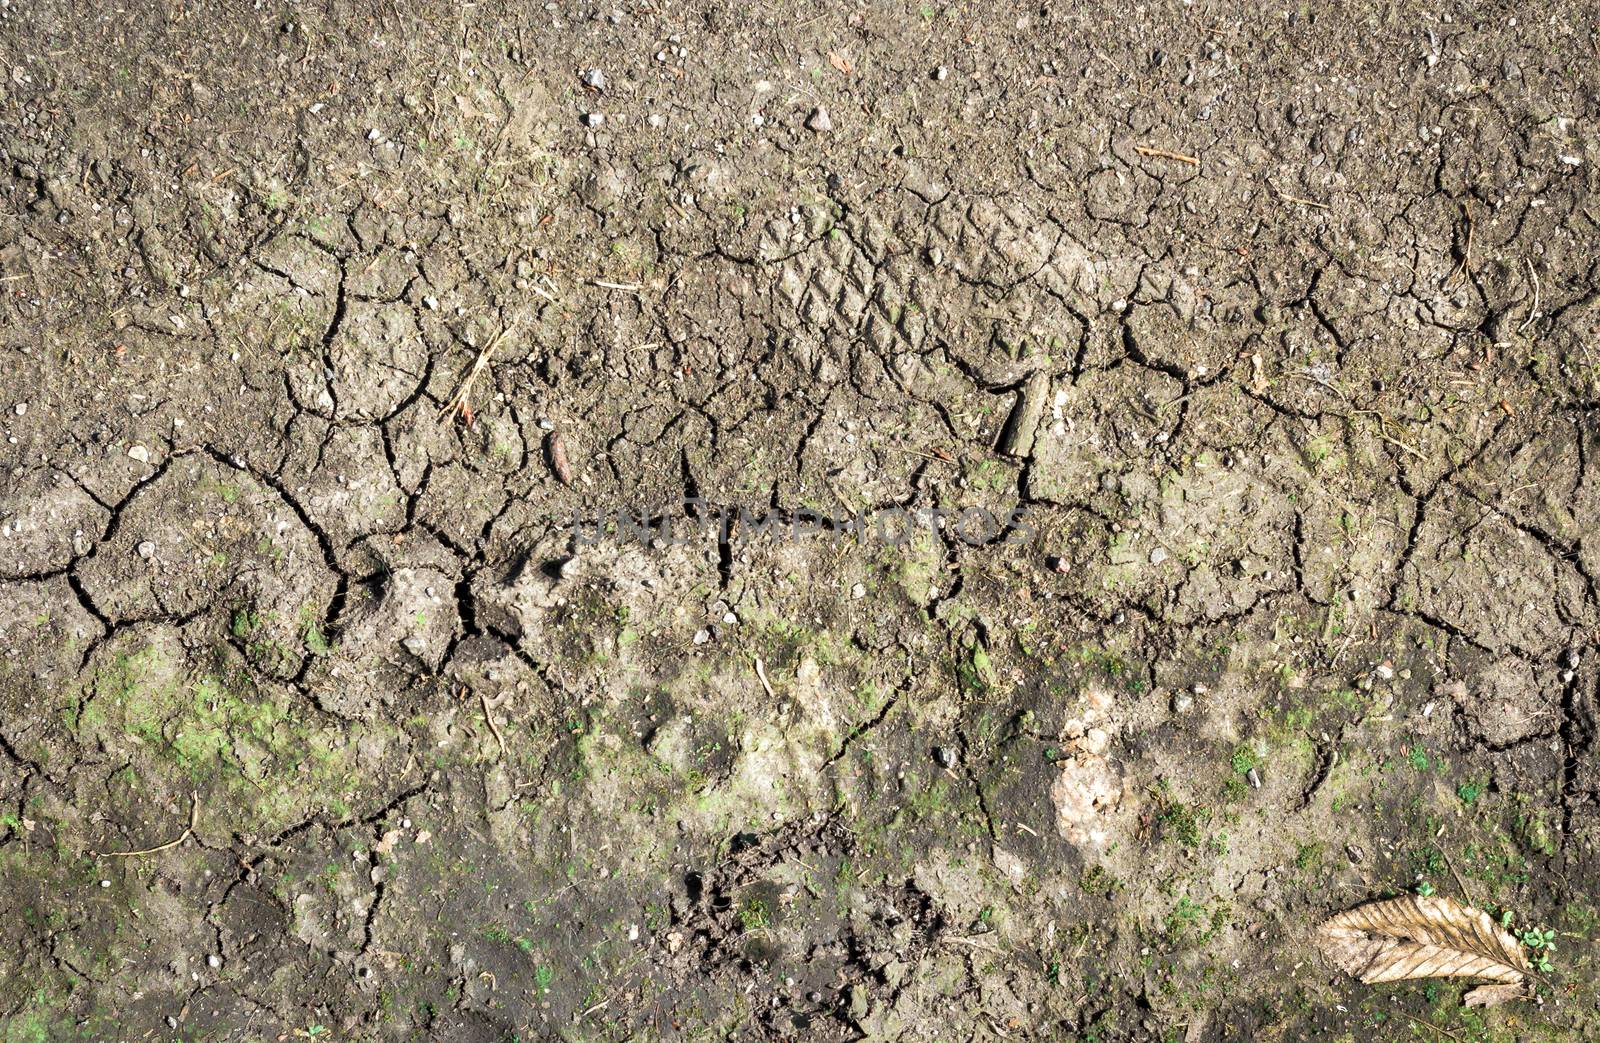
{"points": [[374, 135], [819, 120], [139, 453], [1254, 778], [858, 591], [702, 636], [1182, 702], [595, 79], [593, 119], [213, 961], [147, 550], [22, 409], [945, 755], [1158, 555], [941, 73], [1385, 672]]}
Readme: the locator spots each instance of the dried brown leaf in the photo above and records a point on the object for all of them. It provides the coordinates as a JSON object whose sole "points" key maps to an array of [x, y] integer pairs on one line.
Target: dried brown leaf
{"points": [[1494, 995], [1418, 937], [841, 61]]}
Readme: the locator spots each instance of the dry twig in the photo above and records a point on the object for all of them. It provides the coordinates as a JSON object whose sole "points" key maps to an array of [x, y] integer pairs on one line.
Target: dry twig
{"points": [[1161, 153], [458, 402], [188, 831]]}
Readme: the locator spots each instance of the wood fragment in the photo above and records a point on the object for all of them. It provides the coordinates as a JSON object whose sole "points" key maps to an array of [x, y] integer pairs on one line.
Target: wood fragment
{"points": [[1022, 426], [556, 446]]}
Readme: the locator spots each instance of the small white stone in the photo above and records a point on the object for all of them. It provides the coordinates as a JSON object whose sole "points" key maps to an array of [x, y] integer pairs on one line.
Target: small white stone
{"points": [[1158, 555], [858, 591], [22, 409], [147, 550], [139, 453], [702, 636]]}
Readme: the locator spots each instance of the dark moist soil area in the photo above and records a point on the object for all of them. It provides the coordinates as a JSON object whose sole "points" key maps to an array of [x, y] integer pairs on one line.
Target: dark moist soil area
{"points": [[323, 322]]}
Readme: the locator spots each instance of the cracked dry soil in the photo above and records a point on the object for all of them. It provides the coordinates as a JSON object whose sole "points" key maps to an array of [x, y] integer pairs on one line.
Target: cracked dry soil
{"points": [[316, 721]]}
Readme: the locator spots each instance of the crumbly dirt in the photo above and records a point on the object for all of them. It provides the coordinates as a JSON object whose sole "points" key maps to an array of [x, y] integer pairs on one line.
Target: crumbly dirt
{"points": [[1270, 342]]}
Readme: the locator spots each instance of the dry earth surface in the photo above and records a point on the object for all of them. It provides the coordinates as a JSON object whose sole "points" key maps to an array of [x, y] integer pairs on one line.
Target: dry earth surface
{"points": [[1269, 341]]}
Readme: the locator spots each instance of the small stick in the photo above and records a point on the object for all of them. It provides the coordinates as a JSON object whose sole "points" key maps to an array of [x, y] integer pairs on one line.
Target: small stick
{"points": [[488, 716], [188, 831], [1467, 895], [974, 942], [1161, 153], [1287, 198], [761, 672], [615, 285], [1429, 1025], [1533, 312], [1466, 255]]}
